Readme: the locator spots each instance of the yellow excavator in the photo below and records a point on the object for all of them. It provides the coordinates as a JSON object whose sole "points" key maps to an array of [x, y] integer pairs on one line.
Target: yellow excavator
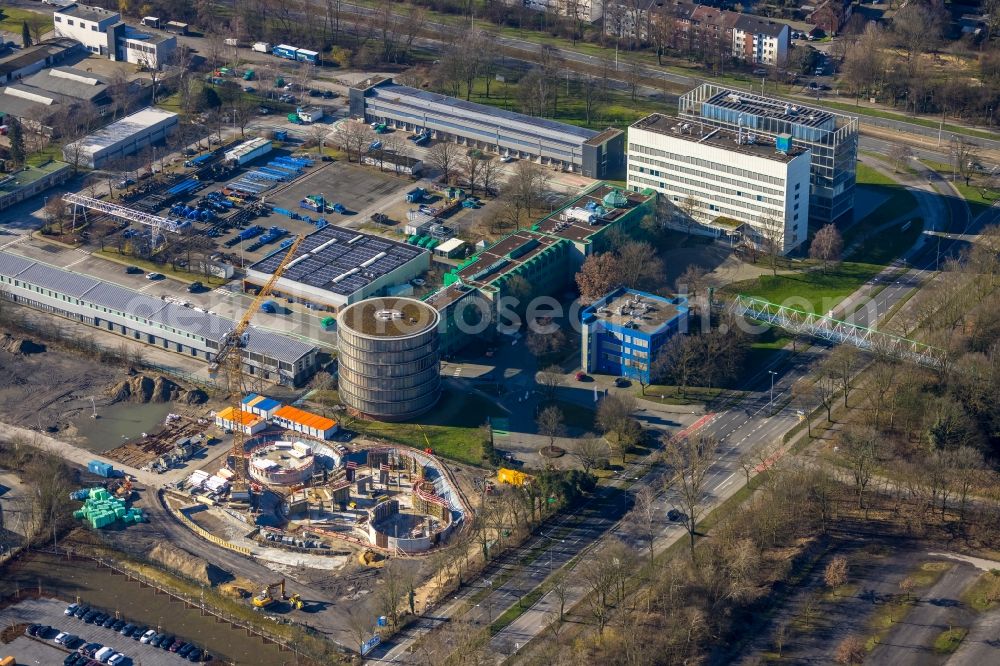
{"points": [[266, 596]]}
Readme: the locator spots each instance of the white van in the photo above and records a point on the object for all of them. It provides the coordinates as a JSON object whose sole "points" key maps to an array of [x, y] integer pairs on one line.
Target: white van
{"points": [[102, 654]]}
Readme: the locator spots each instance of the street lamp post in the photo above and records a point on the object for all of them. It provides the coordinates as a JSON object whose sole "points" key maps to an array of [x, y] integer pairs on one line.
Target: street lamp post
{"points": [[770, 404]]}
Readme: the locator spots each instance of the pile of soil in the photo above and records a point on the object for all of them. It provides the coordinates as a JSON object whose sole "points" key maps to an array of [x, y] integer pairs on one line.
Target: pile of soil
{"points": [[188, 565], [143, 388], [22, 346]]}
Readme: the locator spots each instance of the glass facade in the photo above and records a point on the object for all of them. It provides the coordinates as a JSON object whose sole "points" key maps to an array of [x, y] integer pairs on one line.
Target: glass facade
{"points": [[831, 137]]}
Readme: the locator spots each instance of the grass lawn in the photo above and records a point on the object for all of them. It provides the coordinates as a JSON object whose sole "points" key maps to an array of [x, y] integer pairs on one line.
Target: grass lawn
{"points": [[924, 122], [816, 291], [13, 18], [693, 395], [46, 154], [949, 640], [983, 594], [112, 254], [451, 428], [577, 418], [900, 202], [888, 244], [979, 198], [617, 110]]}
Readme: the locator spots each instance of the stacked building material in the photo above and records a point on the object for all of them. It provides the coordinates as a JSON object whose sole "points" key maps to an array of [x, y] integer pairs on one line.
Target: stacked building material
{"points": [[102, 509]]}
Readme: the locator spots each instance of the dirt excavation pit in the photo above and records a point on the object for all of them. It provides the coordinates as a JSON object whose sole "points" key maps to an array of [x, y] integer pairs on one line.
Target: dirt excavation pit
{"points": [[58, 392]]}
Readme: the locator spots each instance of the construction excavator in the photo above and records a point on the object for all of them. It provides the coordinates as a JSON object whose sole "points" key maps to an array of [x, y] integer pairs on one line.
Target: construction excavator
{"points": [[266, 596], [230, 357]]}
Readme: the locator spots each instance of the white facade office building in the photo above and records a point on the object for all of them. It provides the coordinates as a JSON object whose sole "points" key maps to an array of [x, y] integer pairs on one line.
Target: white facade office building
{"points": [[736, 184], [102, 31]]}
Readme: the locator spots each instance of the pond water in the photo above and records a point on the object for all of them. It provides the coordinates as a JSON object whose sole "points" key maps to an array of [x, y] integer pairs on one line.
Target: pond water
{"points": [[68, 580], [119, 422]]}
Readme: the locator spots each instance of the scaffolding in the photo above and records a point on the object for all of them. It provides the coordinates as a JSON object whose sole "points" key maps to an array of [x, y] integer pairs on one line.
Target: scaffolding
{"points": [[837, 331]]}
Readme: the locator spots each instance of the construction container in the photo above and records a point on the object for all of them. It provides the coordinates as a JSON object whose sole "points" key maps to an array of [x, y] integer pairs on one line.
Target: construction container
{"points": [[100, 469]]}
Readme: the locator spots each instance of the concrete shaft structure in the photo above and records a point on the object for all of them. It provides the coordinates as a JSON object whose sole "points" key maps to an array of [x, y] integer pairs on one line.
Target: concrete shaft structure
{"points": [[388, 356]]}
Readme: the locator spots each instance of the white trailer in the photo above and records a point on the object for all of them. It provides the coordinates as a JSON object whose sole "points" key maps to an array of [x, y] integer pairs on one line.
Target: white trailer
{"points": [[261, 47], [248, 151], [232, 41], [310, 114]]}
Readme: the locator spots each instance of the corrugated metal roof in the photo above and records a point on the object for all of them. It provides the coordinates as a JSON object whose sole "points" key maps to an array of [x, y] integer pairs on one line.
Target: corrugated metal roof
{"points": [[70, 284], [302, 417], [187, 320], [124, 300], [12, 265]]}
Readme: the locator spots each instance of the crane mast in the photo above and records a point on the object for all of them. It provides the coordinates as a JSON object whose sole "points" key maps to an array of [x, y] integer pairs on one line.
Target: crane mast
{"points": [[230, 356]]}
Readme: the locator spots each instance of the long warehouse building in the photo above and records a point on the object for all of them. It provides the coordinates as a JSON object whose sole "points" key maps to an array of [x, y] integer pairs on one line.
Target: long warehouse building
{"points": [[122, 138], [568, 147], [194, 333]]}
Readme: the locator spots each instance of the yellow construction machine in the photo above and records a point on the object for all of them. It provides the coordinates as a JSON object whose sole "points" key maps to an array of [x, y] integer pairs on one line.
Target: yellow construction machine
{"points": [[266, 596]]}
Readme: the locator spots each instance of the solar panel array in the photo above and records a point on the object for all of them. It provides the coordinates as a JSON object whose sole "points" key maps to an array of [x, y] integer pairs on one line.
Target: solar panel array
{"points": [[337, 266], [773, 108]]}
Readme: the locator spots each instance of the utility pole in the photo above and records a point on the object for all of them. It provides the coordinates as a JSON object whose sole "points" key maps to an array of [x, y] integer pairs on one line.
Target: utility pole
{"points": [[770, 404]]}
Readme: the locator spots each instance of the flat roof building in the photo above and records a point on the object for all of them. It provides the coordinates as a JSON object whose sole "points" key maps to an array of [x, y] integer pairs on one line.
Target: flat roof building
{"points": [[831, 138], [188, 331], [27, 61], [623, 332], [591, 153], [334, 267], [124, 137], [739, 184], [31, 180], [102, 31]]}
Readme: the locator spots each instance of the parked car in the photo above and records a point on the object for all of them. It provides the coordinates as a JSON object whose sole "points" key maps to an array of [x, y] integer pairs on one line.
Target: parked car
{"points": [[581, 376], [32, 629], [154, 276], [124, 182], [110, 622], [249, 89], [176, 646], [81, 611], [185, 649], [116, 659], [673, 515], [73, 658], [127, 629], [148, 636], [195, 287], [134, 270], [263, 110], [90, 616], [195, 655], [315, 93], [138, 632], [165, 642], [103, 654], [71, 609], [88, 649], [621, 382], [117, 626], [44, 631]]}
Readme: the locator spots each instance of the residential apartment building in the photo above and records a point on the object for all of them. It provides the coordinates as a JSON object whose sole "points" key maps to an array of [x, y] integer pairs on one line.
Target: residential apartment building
{"points": [[102, 31], [738, 184], [831, 138], [588, 11], [700, 29]]}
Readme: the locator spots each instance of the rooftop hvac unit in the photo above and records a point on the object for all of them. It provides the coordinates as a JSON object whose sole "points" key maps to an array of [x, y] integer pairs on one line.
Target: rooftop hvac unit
{"points": [[580, 215]]}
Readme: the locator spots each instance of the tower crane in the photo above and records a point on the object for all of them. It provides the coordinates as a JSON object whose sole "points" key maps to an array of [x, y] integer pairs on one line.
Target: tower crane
{"points": [[230, 356]]}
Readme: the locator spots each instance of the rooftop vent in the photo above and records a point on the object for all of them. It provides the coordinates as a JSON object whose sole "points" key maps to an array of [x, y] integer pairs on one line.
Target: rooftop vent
{"points": [[388, 315]]}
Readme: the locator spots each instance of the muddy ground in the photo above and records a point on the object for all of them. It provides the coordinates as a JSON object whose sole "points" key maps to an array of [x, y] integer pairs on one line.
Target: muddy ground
{"points": [[45, 388]]}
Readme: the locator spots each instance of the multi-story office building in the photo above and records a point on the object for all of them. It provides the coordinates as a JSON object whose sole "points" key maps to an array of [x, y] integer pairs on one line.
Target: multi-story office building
{"points": [[831, 139], [568, 147], [102, 31], [738, 184], [623, 332]]}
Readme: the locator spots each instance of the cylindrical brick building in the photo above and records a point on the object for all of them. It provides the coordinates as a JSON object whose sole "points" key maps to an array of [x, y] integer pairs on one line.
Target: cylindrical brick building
{"points": [[388, 357]]}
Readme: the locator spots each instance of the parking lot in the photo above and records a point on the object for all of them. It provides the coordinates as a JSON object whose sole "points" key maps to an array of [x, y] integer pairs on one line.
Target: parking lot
{"points": [[353, 186], [50, 612]]}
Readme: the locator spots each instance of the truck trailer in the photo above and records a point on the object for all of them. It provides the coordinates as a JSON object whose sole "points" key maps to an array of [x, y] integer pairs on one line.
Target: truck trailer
{"points": [[261, 47], [310, 114]]}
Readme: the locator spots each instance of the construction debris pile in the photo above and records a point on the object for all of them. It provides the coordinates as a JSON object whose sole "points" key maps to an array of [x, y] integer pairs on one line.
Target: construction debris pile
{"points": [[101, 509]]}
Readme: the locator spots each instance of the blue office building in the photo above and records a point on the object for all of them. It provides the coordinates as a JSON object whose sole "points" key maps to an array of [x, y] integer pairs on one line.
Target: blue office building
{"points": [[623, 332]]}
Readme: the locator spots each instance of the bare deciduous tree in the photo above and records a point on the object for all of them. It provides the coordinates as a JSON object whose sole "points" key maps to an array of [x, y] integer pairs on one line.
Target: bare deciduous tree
{"points": [[689, 460]]}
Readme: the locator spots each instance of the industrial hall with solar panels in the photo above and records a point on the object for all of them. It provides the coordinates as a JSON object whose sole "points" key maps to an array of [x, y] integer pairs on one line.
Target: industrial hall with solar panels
{"points": [[334, 267]]}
